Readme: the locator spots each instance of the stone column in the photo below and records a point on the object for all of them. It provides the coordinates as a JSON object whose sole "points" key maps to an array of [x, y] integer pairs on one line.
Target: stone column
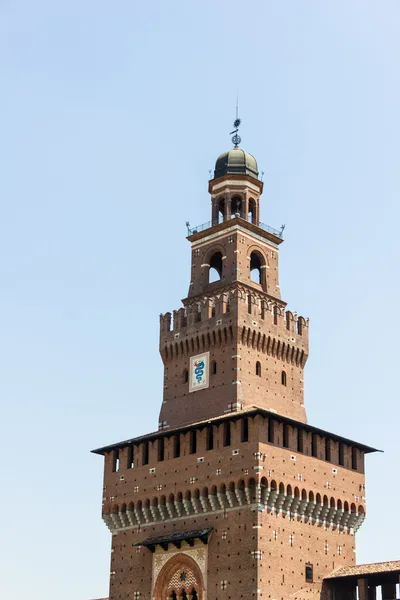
{"points": [[245, 207], [214, 211], [228, 207]]}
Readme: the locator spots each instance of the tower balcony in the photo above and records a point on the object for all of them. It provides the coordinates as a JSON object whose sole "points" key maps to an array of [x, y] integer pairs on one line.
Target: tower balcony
{"points": [[272, 234]]}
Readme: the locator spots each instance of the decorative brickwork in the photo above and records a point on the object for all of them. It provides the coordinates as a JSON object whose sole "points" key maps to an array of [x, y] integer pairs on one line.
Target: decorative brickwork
{"points": [[179, 573]]}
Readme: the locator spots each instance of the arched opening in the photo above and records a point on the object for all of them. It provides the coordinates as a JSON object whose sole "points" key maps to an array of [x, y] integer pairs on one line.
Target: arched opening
{"points": [[215, 270], [252, 215], [283, 378], [255, 268], [258, 369], [236, 206], [221, 210], [180, 577]]}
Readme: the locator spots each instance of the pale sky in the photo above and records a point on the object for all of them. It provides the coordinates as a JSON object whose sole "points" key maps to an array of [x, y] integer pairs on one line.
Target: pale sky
{"points": [[111, 114]]}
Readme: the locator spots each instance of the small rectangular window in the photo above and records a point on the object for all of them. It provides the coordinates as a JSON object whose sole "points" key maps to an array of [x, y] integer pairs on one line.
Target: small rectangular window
{"points": [[160, 449], [145, 455], [193, 442], [244, 437], [354, 458], [115, 461], [309, 573], [328, 450], [210, 438], [271, 431], [300, 440], [275, 315], [177, 446], [341, 454], [227, 434], [314, 445], [130, 457]]}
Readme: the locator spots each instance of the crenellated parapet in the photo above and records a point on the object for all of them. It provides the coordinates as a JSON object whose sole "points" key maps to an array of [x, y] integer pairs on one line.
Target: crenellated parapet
{"points": [[259, 321]]}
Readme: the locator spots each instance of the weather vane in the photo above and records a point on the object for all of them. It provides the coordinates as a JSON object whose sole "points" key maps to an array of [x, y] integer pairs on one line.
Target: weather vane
{"points": [[236, 139]]}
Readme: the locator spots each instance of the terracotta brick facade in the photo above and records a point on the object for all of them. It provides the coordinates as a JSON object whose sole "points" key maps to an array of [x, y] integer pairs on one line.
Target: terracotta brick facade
{"points": [[279, 499]]}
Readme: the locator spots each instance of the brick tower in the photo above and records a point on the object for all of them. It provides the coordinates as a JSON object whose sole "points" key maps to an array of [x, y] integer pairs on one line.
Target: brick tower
{"points": [[236, 495]]}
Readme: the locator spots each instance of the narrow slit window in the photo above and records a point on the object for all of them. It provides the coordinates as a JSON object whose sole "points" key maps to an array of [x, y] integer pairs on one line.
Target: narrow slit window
{"points": [[271, 431], [227, 434], [145, 455], [314, 446], [258, 369], [354, 458], [245, 430], [115, 464], [213, 367], [328, 450], [285, 435], [249, 304], [309, 573], [283, 378], [160, 449], [210, 438], [185, 376], [193, 442], [275, 315], [300, 440], [341, 454], [130, 457], [177, 446]]}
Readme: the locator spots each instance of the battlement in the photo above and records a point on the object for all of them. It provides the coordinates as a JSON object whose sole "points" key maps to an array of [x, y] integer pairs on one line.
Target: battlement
{"points": [[236, 308]]}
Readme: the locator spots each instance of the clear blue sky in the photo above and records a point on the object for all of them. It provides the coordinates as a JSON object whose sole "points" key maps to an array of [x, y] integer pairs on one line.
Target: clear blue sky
{"points": [[111, 114]]}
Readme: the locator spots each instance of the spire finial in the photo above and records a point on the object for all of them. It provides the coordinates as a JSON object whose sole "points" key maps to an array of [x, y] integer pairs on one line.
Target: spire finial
{"points": [[236, 138]]}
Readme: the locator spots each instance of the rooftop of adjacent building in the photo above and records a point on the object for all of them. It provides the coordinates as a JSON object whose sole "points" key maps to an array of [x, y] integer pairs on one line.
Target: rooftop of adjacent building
{"points": [[370, 569]]}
